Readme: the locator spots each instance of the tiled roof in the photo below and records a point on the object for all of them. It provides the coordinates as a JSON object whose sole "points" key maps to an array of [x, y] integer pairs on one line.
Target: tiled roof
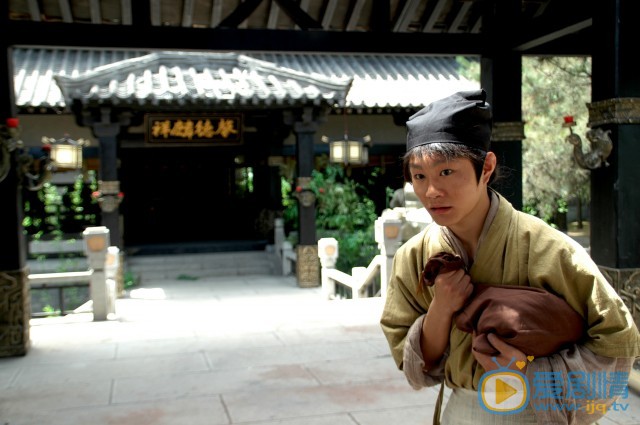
{"points": [[230, 79], [383, 81], [181, 78], [34, 71]]}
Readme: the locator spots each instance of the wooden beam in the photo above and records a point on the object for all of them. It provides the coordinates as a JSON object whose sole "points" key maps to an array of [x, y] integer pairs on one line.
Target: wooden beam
{"points": [[56, 34], [329, 11], [34, 10], [560, 19], [187, 13], [240, 14], [65, 10], [216, 13], [460, 13], [380, 16], [272, 21], [576, 44], [144, 14], [127, 15], [96, 14], [406, 15], [553, 35], [354, 16], [298, 16]]}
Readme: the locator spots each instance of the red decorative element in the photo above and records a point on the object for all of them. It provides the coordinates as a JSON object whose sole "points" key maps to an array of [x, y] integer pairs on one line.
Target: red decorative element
{"points": [[568, 119], [321, 190], [298, 188], [96, 194], [120, 195], [13, 122]]}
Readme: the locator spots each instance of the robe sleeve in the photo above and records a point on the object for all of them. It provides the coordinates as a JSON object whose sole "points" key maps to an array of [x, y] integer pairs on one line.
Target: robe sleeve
{"points": [[559, 264], [413, 361], [402, 308]]}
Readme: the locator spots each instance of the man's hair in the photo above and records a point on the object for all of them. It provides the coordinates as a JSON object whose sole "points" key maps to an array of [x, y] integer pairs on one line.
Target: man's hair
{"points": [[447, 151]]}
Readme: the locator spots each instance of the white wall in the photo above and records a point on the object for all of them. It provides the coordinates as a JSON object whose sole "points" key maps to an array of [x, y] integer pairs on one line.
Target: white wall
{"points": [[34, 127], [380, 127]]}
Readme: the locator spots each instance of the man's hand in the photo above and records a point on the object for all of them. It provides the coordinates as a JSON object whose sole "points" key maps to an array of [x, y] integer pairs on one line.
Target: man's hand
{"points": [[452, 289], [506, 356], [451, 292]]}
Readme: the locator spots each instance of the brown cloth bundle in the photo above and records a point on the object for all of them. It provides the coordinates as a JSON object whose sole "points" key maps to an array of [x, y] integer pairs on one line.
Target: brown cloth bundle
{"points": [[533, 320]]}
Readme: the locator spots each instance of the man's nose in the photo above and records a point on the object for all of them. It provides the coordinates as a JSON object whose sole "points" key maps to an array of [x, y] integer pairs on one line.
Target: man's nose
{"points": [[432, 191]]}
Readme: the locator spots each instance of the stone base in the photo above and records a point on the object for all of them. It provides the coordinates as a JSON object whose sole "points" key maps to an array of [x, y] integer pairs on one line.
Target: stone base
{"points": [[15, 313], [307, 266]]}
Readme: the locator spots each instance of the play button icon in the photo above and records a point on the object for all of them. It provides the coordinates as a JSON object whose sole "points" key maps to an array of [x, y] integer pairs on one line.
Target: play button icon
{"points": [[503, 392]]}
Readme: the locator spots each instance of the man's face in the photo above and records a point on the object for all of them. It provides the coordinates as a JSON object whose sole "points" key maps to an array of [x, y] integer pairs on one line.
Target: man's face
{"points": [[449, 190]]}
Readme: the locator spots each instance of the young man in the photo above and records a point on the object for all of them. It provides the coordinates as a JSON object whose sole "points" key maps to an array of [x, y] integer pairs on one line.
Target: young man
{"points": [[450, 166]]}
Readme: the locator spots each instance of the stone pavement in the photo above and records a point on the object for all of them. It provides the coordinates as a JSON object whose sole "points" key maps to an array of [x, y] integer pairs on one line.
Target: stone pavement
{"points": [[217, 351]]}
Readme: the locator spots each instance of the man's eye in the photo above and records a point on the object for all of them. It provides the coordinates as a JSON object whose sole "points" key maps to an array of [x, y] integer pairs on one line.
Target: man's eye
{"points": [[418, 176], [446, 172]]}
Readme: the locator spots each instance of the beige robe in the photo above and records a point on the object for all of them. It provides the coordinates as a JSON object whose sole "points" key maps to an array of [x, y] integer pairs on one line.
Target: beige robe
{"points": [[517, 249]]}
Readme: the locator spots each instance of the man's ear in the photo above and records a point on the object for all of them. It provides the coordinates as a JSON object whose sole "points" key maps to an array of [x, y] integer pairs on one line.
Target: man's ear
{"points": [[489, 166]]}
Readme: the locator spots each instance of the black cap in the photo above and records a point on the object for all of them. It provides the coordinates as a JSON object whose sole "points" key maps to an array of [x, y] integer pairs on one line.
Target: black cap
{"points": [[464, 118]]}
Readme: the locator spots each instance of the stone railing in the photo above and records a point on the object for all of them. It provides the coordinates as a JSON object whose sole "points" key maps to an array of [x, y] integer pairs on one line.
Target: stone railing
{"points": [[388, 235], [394, 227], [103, 261], [284, 251]]}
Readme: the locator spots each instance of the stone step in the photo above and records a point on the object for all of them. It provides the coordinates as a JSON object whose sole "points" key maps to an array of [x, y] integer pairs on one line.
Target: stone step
{"points": [[200, 265]]}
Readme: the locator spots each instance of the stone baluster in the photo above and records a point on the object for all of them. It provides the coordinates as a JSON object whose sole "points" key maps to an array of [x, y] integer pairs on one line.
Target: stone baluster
{"points": [[388, 235], [328, 254]]}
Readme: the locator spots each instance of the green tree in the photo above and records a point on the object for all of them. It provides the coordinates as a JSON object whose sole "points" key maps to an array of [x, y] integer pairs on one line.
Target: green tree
{"points": [[344, 211], [552, 88], [57, 209], [80, 210]]}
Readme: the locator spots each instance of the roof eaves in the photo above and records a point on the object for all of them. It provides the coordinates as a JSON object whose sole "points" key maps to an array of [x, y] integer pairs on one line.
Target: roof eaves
{"points": [[120, 80]]}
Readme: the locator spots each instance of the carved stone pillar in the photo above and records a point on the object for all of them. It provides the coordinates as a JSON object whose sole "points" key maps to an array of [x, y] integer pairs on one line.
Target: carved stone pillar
{"points": [[15, 312], [305, 124], [15, 300], [307, 266]]}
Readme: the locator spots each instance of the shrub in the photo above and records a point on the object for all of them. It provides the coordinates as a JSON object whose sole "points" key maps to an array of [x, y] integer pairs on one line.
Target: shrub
{"points": [[343, 211]]}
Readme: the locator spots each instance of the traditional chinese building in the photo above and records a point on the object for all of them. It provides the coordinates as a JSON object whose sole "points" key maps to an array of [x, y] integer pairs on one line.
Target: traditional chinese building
{"points": [[179, 132]]}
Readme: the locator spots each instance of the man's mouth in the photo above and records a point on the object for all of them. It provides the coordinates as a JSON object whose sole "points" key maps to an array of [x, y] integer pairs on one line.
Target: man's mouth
{"points": [[439, 210]]}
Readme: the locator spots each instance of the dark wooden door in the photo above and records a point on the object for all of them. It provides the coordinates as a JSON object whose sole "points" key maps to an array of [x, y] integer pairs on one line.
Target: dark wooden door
{"points": [[182, 195]]}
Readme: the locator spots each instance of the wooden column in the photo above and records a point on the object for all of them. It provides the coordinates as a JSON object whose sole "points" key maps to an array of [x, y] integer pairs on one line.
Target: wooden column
{"points": [[615, 106], [501, 77], [106, 127], [307, 263]]}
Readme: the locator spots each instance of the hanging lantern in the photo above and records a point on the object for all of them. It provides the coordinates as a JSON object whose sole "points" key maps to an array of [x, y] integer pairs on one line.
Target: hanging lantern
{"points": [[347, 151], [66, 153]]}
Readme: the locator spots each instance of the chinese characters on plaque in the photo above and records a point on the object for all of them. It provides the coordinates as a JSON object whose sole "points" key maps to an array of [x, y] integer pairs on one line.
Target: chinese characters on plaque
{"points": [[209, 128]]}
